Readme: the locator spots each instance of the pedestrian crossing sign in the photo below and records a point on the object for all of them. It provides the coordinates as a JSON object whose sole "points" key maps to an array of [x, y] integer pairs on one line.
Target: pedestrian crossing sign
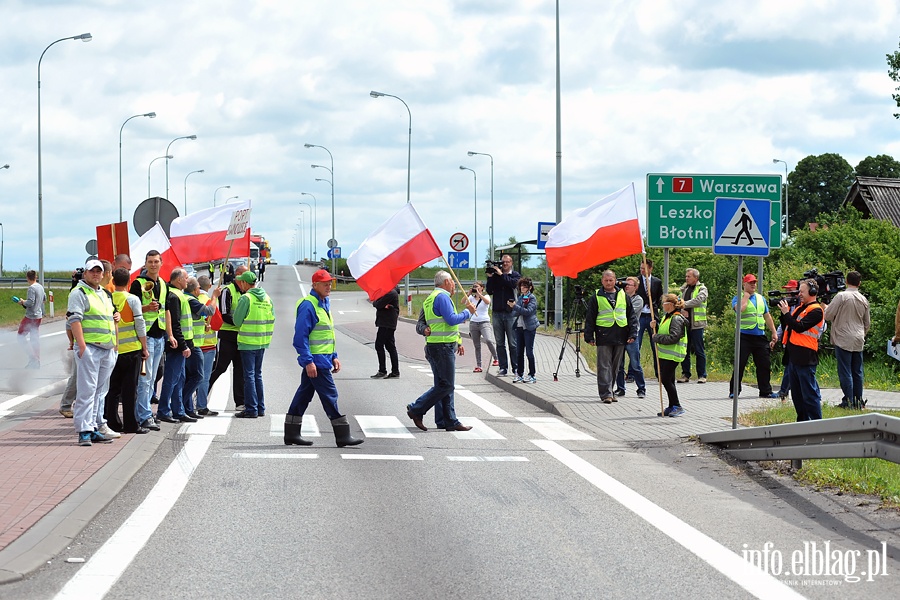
{"points": [[741, 226]]}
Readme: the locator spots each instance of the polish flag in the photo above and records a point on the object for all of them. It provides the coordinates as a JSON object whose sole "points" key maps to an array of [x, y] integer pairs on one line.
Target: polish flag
{"points": [[402, 244], [154, 239], [606, 230], [200, 236]]}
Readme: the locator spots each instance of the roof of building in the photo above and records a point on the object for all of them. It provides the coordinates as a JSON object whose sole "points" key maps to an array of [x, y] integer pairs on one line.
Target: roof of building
{"points": [[876, 197]]}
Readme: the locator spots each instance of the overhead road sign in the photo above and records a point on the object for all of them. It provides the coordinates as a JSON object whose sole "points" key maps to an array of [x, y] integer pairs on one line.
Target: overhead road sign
{"points": [[680, 207], [742, 227]]}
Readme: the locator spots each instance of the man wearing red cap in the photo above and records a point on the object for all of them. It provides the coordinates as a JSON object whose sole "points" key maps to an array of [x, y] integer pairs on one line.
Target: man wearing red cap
{"points": [[754, 317], [790, 288], [314, 343]]}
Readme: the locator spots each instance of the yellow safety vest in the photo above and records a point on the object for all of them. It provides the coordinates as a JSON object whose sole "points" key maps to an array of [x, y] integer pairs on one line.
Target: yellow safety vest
{"points": [[258, 326], [204, 336], [753, 316], [234, 294], [607, 315], [321, 338], [151, 316], [128, 339], [98, 325], [676, 351], [441, 332], [186, 321]]}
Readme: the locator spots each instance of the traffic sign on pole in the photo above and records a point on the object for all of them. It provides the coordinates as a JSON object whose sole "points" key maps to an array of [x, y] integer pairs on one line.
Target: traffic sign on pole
{"points": [[742, 227], [459, 241], [458, 260], [680, 207], [543, 230]]}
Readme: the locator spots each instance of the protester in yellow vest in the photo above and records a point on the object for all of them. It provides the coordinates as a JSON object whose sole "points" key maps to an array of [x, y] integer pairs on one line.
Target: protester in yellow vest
{"points": [[609, 324], [132, 339], [694, 295], [204, 337], [228, 353], [180, 329], [753, 312], [153, 291], [671, 347], [255, 319]]}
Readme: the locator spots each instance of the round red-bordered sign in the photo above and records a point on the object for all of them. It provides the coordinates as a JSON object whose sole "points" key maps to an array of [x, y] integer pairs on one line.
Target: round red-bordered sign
{"points": [[459, 241]]}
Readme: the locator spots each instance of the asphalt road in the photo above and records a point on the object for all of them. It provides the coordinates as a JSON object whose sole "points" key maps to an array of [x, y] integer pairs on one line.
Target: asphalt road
{"points": [[524, 506]]}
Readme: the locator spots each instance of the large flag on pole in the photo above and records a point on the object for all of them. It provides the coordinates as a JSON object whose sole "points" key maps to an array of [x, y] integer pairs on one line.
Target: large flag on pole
{"points": [[397, 247], [606, 230], [200, 236], [154, 239]]}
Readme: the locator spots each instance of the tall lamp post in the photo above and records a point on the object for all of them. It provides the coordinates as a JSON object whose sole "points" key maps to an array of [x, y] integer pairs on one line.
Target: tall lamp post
{"points": [[311, 214], [185, 187], [491, 238], [152, 115], [332, 194], [2, 236], [84, 37], [221, 187], [331, 182], [184, 137], [785, 218], [316, 221], [167, 157], [475, 237]]}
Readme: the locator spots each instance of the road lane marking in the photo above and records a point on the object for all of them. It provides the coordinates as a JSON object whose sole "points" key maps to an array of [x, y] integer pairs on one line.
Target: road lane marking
{"points": [[488, 407], [101, 571], [309, 428], [208, 426], [383, 427], [488, 458], [381, 457], [749, 577], [554, 429], [479, 431], [271, 455], [7, 406]]}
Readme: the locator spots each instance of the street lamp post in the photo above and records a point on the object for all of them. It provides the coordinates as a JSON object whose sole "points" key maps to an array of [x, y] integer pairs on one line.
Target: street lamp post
{"points": [[167, 157], [311, 214], [491, 239], [2, 236], [221, 187], [152, 115], [227, 200], [333, 260], [184, 137], [185, 188], [785, 218], [84, 37], [316, 221], [475, 237]]}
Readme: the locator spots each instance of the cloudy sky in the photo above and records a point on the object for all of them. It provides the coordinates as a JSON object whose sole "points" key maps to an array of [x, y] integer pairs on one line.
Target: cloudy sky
{"points": [[647, 86]]}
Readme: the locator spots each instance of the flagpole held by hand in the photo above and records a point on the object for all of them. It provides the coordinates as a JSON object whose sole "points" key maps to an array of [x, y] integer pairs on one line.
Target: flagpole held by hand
{"points": [[646, 269]]}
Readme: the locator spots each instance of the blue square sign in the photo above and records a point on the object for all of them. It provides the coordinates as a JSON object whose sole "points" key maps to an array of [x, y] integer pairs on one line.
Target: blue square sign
{"points": [[741, 226], [458, 260]]}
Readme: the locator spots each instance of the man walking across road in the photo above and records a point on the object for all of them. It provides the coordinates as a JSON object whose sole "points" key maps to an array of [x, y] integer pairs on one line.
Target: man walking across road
{"points": [[694, 295], [255, 319], [441, 347], [387, 313], [609, 324], [28, 335], [501, 286], [850, 321], [754, 317], [316, 354]]}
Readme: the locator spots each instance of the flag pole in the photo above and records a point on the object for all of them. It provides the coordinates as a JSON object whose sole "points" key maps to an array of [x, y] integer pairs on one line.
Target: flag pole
{"points": [[459, 286], [662, 409]]}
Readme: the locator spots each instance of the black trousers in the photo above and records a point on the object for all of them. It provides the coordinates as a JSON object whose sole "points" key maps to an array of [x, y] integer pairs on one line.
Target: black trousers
{"points": [[667, 378], [123, 384], [228, 354], [758, 347], [384, 340]]}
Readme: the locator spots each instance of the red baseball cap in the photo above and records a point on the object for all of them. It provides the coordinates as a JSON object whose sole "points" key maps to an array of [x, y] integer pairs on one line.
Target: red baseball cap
{"points": [[749, 278], [790, 285], [321, 275]]}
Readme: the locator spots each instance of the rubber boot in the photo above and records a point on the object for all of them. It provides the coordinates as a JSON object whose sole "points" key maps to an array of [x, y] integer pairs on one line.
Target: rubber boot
{"points": [[342, 433], [292, 426]]}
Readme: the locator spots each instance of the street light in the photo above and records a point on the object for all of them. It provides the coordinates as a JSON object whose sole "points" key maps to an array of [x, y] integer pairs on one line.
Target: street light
{"points": [[4, 167], [84, 37], [475, 237], [331, 170], [152, 115], [491, 239], [316, 220], [184, 137], [167, 157], [221, 187], [785, 217], [227, 200], [2, 236], [185, 187], [311, 234]]}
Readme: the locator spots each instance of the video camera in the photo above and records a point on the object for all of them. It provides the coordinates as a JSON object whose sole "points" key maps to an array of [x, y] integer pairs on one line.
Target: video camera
{"points": [[489, 264], [579, 292], [77, 275], [829, 284], [791, 297]]}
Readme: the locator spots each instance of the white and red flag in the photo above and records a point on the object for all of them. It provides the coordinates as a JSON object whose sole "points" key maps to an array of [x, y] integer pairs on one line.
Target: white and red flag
{"points": [[154, 239], [200, 236], [400, 245], [606, 230]]}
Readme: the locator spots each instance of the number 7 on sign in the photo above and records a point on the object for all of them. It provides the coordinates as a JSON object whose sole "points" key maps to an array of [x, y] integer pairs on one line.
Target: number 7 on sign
{"points": [[683, 185]]}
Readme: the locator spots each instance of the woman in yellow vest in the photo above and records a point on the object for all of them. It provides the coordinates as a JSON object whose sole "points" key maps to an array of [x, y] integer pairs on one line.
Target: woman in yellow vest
{"points": [[671, 347]]}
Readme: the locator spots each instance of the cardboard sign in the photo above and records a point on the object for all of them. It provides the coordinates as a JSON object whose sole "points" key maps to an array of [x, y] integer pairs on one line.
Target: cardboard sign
{"points": [[240, 220]]}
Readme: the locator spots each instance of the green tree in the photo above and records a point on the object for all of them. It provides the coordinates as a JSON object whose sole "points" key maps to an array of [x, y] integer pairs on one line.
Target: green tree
{"points": [[893, 61], [878, 166], [817, 185]]}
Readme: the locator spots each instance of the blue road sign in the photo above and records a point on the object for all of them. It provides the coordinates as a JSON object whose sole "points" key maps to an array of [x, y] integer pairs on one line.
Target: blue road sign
{"points": [[543, 229], [334, 252], [458, 260], [741, 226]]}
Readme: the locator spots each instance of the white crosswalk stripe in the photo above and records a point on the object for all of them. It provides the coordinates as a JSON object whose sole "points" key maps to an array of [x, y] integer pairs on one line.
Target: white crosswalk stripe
{"points": [[310, 427], [382, 426], [554, 429], [479, 431]]}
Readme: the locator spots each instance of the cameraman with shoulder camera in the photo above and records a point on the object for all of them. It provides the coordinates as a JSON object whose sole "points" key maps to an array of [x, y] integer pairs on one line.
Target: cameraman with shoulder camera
{"points": [[802, 326], [501, 285]]}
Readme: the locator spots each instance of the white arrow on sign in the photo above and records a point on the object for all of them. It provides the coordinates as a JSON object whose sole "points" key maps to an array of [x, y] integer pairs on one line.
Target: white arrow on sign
{"points": [[659, 185]]}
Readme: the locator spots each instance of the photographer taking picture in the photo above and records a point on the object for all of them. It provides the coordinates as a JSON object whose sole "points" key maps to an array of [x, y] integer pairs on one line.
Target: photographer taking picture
{"points": [[501, 285]]}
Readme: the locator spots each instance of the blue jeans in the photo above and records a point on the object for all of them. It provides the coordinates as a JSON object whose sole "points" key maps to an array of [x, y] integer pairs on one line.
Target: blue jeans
{"points": [[322, 384], [147, 382], [644, 322], [850, 372], [173, 380], [785, 382], [524, 347], [193, 375], [694, 346], [254, 399], [209, 359], [633, 350], [442, 358], [504, 333], [805, 392]]}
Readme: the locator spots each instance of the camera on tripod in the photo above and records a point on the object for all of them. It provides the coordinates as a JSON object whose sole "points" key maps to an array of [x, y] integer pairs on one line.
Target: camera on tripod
{"points": [[579, 292]]}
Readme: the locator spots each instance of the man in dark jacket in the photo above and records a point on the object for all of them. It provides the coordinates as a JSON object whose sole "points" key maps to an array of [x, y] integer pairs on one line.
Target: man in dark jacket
{"points": [[387, 312], [501, 285], [646, 281], [609, 324]]}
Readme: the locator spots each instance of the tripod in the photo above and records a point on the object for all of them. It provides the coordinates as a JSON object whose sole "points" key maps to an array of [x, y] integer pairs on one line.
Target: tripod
{"points": [[577, 311]]}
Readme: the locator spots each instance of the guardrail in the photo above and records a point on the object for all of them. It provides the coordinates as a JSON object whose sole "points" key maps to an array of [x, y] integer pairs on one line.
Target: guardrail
{"points": [[872, 435]]}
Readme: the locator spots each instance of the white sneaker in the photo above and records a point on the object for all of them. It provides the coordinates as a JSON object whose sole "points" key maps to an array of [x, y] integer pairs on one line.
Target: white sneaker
{"points": [[108, 433]]}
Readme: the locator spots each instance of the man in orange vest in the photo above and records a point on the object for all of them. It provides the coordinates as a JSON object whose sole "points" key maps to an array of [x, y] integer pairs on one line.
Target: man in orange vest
{"points": [[802, 327]]}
